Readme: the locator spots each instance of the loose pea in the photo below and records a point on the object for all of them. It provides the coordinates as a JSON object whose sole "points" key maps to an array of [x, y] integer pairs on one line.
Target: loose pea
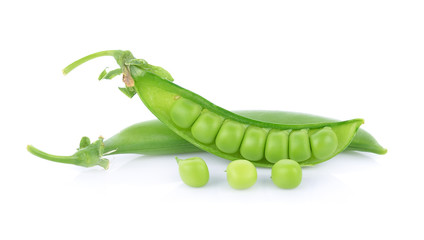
{"points": [[299, 147], [184, 112], [324, 143], [230, 136], [277, 146], [252, 147], [206, 127], [193, 171], [286, 174], [241, 174]]}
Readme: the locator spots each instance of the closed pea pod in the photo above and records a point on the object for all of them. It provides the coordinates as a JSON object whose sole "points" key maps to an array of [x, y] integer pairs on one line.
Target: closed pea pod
{"points": [[153, 138]]}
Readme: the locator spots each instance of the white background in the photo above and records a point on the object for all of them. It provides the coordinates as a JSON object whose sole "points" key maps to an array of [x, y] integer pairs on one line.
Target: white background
{"points": [[341, 59]]}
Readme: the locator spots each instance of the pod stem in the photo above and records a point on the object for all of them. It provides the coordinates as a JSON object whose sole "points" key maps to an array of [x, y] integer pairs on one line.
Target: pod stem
{"points": [[125, 60], [120, 56], [88, 156], [61, 159]]}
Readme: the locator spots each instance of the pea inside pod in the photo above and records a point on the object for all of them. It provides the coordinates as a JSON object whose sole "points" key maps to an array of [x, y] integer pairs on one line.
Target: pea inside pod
{"points": [[277, 145], [206, 127], [184, 113], [253, 145], [299, 147], [324, 143], [230, 136]]}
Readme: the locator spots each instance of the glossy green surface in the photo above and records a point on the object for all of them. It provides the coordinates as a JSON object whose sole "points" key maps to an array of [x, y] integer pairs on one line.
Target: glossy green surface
{"points": [[155, 88], [253, 144], [241, 174], [277, 145], [323, 143], [299, 147], [159, 95], [184, 113], [363, 141], [286, 173], [230, 136], [206, 127], [193, 171]]}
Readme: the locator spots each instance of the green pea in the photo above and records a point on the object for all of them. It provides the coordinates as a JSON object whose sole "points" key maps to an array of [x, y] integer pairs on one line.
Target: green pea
{"points": [[193, 171], [241, 174], [324, 143], [286, 174], [184, 112], [277, 146], [230, 136], [206, 127], [299, 147], [253, 145]]}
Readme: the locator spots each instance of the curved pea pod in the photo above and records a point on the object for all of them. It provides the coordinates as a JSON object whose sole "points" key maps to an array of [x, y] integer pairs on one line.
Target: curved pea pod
{"points": [[199, 121], [163, 98]]}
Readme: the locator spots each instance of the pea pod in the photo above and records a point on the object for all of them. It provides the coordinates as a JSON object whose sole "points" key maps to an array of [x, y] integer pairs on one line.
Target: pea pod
{"points": [[199, 121], [154, 138]]}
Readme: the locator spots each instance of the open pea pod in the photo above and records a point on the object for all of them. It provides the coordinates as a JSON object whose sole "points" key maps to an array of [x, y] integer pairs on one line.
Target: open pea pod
{"points": [[224, 133], [233, 136]]}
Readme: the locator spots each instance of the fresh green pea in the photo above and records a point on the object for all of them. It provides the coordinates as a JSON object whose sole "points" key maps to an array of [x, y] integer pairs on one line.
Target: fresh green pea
{"points": [[252, 147], [241, 174], [184, 112], [286, 174], [230, 136], [206, 127], [193, 171], [299, 147], [323, 143], [277, 146]]}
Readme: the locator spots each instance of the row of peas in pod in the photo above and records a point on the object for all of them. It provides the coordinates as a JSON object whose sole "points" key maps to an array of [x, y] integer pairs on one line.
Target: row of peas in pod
{"points": [[251, 142], [241, 174]]}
